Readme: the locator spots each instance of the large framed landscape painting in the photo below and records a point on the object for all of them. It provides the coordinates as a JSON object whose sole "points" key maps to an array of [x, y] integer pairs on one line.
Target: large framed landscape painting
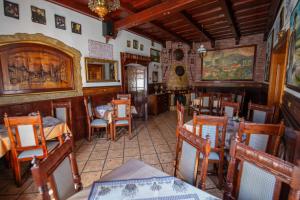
{"points": [[293, 68], [229, 64]]}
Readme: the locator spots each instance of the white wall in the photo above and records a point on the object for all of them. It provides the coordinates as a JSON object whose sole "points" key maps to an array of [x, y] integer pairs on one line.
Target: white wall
{"points": [[91, 29]]}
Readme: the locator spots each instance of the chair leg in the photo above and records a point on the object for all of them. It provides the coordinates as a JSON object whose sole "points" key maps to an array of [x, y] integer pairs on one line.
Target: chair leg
{"points": [[106, 128], [17, 172], [90, 132], [129, 130], [115, 133], [220, 174]]}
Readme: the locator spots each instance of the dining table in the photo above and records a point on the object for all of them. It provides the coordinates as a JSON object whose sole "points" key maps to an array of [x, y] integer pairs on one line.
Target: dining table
{"points": [[137, 180], [52, 127]]}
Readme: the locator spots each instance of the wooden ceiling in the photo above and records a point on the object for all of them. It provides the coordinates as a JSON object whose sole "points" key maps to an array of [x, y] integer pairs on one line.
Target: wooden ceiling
{"points": [[189, 20]]}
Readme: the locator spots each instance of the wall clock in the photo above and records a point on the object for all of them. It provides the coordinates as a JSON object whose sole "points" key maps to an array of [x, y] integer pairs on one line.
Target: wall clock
{"points": [[179, 70], [178, 54]]}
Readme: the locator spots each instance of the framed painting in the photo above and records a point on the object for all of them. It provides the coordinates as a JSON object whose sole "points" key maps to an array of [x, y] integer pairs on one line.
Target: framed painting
{"points": [[293, 68], [11, 9], [268, 57], [233, 64], [31, 68], [60, 22], [128, 43], [135, 44], [38, 15], [76, 28], [155, 55]]}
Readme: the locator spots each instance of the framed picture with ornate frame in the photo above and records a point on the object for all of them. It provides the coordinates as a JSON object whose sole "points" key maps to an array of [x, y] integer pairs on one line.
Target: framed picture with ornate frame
{"points": [[293, 66], [230, 64]]}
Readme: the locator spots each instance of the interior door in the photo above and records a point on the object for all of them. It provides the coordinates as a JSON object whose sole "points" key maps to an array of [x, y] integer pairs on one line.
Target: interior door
{"points": [[137, 87]]}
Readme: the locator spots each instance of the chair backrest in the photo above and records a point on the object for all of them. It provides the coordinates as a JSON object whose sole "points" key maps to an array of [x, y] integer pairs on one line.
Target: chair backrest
{"points": [[259, 175], [205, 100], [216, 101], [229, 108], [189, 147], [63, 111], [26, 132], [263, 137], [124, 96], [226, 97], [240, 97], [193, 96], [60, 170], [260, 113], [121, 109], [180, 116], [206, 125], [88, 108]]}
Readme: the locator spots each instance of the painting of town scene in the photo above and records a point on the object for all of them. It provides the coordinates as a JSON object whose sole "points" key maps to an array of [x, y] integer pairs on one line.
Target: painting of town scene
{"points": [[229, 64], [293, 68], [34, 70]]}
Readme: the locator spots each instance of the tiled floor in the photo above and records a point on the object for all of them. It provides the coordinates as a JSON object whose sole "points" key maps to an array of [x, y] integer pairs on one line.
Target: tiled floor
{"points": [[154, 143]]}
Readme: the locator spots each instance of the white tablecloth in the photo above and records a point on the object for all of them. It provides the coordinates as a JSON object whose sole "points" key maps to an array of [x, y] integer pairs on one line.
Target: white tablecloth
{"points": [[105, 112]]}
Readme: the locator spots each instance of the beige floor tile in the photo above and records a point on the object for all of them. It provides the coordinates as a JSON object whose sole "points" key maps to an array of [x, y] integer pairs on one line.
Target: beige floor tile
{"points": [[93, 165], [168, 168], [150, 159], [31, 189], [131, 157], [116, 146], [147, 150], [32, 196], [162, 148], [82, 156], [115, 153], [96, 155], [215, 192], [131, 144], [105, 172], [101, 147], [113, 163], [88, 178], [165, 157], [209, 183], [157, 166], [86, 148], [9, 197], [81, 165], [11, 188], [132, 152]]}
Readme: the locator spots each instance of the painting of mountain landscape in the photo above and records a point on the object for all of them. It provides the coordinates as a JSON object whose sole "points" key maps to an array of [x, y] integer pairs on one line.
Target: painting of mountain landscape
{"points": [[229, 64]]}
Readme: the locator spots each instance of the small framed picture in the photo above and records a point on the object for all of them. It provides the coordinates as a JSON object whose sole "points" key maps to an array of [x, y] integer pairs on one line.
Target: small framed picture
{"points": [[38, 15], [141, 47], [11, 9], [76, 28], [128, 43], [135, 44], [154, 77], [60, 22]]}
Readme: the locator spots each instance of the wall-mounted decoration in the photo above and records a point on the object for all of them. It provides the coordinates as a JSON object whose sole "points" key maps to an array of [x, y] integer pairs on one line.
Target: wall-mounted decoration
{"points": [[179, 70], [154, 76], [268, 56], [11, 9], [60, 22], [155, 55], [99, 70], [128, 43], [178, 54], [35, 68], [38, 15], [100, 50], [293, 68], [229, 64], [76, 28], [141, 47], [135, 44]]}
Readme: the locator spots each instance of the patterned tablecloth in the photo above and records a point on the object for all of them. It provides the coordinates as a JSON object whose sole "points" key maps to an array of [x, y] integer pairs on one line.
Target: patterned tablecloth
{"points": [[232, 128], [52, 128], [156, 188], [105, 112]]}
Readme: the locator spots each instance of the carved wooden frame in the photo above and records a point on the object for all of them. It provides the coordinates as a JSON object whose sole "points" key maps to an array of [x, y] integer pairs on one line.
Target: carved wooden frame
{"points": [[48, 41]]}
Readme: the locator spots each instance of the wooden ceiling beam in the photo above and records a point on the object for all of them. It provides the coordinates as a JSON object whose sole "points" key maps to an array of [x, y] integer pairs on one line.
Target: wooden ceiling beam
{"points": [[165, 8], [274, 8], [142, 33], [198, 27], [226, 7]]}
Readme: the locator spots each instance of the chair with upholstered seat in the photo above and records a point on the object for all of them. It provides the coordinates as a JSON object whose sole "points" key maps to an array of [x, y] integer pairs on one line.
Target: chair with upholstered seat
{"points": [[190, 147], [180, 116], [27, 139], [121, 116], [260, 113], [215, 104], [59, 171], [205, 103], [191, 105], [254, 174], [231, 109], [93, 123], [215, 128], [263, 137]]}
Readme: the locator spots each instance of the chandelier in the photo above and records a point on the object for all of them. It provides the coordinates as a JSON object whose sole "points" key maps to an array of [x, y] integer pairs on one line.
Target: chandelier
{"points": [[103, 7]]}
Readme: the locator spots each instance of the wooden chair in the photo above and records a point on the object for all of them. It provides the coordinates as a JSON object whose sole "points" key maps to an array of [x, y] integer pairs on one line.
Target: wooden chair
{"points": [[240, 98], [231, 109], [263, 137], [226, 97], [93, 123], [205, 103], [213, 126], [215, 104], [180, 116], [63, 111], [260, 113], [60, 170], [253, 174], [27, 139], [124, 96], [192, 98], [121, 115], [191, 147]]}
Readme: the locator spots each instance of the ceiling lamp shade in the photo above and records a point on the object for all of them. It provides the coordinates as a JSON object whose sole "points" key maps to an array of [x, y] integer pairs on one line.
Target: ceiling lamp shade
{"points": [[202, 51], [103, 7]]}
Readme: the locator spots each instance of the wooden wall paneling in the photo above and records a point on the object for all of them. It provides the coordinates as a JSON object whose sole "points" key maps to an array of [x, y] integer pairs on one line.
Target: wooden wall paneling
{"points": [[290, 109]]}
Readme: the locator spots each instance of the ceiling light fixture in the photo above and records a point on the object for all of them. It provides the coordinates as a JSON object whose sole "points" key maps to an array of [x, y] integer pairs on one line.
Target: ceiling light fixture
{"points": [[103, 7], [201, 50]]}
